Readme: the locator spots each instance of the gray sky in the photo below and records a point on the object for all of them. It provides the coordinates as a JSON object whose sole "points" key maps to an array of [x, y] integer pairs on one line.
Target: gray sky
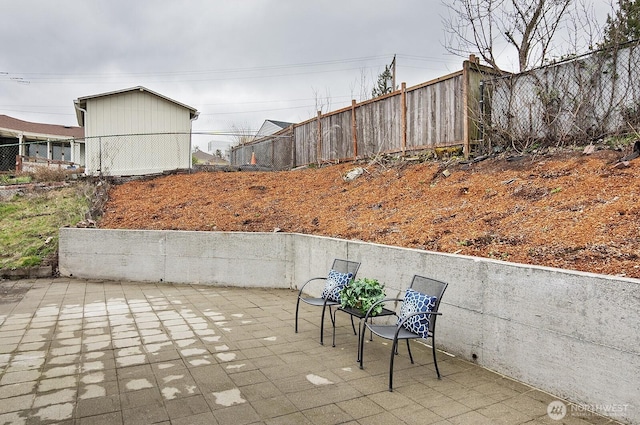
{"points": [[238, 62]]}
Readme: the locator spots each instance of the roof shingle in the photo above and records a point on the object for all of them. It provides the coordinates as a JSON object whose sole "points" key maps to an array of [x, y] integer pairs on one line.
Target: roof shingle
{"points": [[62, 131]]}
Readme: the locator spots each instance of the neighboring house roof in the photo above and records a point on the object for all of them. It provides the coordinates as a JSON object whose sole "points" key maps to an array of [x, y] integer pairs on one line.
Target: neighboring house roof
{"points": [[203, 156], [207, 158], [13, 127], [81, 102], [281, 124], [270, 127]]}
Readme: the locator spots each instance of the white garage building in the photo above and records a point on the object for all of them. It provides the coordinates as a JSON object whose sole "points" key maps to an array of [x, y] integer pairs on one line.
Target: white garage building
{"points": [[135, 131]]}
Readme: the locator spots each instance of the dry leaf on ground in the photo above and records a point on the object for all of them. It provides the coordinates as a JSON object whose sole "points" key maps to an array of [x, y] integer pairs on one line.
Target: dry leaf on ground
{"points": [[568, 210]]}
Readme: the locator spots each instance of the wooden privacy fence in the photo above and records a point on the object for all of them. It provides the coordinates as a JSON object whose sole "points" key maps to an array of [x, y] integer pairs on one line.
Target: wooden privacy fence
{"points": [[437, 113]]}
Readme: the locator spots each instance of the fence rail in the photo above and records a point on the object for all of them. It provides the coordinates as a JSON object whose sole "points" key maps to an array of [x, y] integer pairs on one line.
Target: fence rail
{"points": [[578, 100], [430, 115]]}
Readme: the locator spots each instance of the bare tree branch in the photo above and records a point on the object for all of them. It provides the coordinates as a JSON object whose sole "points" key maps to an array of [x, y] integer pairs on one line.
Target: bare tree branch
{"points": [[530, 27]]}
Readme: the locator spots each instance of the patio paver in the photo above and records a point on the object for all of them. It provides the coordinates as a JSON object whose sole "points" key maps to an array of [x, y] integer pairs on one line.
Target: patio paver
{"points": [[78, 351]]}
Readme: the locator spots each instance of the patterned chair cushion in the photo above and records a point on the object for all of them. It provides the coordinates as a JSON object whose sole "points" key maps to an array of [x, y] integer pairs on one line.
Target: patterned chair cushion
{"points": [[334, 284], [415, 302]]}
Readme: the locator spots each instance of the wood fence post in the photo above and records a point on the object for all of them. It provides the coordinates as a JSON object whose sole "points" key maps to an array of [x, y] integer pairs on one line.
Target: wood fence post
{"points": [[273, 152], [403, 106], [292, 140], [465, 109], [354, 129], [319, 144]]}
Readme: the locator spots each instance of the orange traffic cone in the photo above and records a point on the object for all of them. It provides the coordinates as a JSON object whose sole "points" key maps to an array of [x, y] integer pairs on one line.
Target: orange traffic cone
{"points": [[253, 158]]}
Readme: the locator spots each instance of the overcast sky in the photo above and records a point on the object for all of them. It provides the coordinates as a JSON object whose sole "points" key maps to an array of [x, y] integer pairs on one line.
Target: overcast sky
{"points": [[238, 62]]}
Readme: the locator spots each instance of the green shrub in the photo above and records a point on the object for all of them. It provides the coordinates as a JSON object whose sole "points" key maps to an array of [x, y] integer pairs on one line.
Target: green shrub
{"points": [[362, 294]]}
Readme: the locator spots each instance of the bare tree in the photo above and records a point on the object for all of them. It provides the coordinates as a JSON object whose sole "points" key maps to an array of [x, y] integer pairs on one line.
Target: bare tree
{"points": [[241, 134], [486, 27], [323, 104], [362, 86], [584, 30]]}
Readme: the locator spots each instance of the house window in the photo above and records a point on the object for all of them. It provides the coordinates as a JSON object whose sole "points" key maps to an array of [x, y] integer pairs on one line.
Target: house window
{"points": [[61, 151], [38, 150]]}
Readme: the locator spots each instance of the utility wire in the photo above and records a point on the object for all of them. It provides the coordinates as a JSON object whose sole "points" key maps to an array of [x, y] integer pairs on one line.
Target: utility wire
{"points": [[34, 75]]}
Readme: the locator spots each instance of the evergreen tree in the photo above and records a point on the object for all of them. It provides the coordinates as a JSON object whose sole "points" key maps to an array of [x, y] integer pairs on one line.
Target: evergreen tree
{"points": [[384, 84], [624, 25]]}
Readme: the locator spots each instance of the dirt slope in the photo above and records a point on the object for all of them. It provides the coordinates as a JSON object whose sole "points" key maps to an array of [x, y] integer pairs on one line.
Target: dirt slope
{"points": [[565, 210]]}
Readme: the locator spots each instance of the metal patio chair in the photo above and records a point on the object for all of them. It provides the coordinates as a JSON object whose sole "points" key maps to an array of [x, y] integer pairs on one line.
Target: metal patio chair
{"points": [[349, 268], [417, 319]]}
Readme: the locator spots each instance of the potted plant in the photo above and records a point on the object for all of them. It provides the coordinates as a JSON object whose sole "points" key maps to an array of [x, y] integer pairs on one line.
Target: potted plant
{"points": [[362, 294]]}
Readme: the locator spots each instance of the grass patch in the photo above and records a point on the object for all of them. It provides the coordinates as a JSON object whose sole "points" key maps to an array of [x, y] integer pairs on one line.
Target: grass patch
{"points": [[620, 142], [29, 223], [8, 180]]}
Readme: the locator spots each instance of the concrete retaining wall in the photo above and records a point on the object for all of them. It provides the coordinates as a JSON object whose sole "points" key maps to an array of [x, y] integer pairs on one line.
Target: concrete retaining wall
{"points": [[573, 334]]}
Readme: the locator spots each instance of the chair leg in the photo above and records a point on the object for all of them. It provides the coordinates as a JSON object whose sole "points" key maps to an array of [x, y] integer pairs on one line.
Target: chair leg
{"points": [[297, 307], [353, 326], [435, 361], [333, 322], [409, 350], [361, 334], [322, 325], [371, 332], [359, 331], [394, 347]]}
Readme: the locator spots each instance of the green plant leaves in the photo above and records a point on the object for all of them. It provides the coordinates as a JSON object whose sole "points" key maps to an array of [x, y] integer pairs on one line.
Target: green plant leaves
{"points": [[362, 294]]}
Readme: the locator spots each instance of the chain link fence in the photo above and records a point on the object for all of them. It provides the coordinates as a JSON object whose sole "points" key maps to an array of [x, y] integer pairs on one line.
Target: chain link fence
{"points": [[53, 154], [576, 101], [276, 152], [137, 154], [118, 155]]}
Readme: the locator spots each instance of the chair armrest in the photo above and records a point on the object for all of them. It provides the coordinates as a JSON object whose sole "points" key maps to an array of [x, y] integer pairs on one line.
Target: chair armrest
{"points": [[366, 316], [308, 281]]}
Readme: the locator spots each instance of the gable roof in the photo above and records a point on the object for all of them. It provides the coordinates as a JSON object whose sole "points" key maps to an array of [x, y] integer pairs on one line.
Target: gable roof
{"points": [[207, 158], [202, 156], [281, 124], [81, 102], [13, 126], [270, 127]]}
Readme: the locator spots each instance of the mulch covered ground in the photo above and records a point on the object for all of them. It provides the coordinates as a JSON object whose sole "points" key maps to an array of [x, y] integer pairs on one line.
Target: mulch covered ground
{"points": [[566, 210]]}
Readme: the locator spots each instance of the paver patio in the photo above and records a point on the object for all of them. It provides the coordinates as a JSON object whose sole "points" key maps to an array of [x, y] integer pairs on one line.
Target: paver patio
{"points": [[91, 352]]}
